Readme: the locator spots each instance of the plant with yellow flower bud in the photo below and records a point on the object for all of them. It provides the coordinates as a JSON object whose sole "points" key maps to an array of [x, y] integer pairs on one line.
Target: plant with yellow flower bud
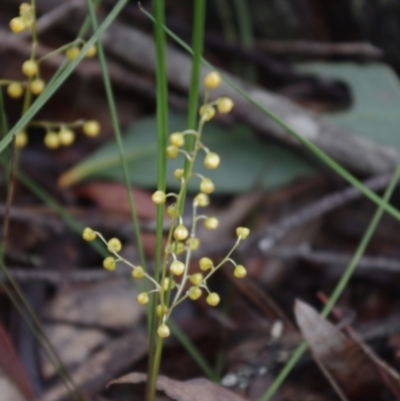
{"points": [[31, 83], [176, 283]]}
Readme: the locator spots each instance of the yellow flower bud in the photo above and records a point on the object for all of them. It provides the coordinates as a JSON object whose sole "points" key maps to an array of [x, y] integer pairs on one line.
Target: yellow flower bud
{"points": [[177, 267], [213, 299], [242, 232], [177, 139], [167, 284], [21, 139], [159, 197], [37, 86], [17, 25], [161, 310], [211, 161], [178, 247], [91, 128], [30, 68], [224, 105], [211, 223], [51, 140], [109, 263], [207, 112], [24, 7], [171, 210], [138, 272], [114, 245], [66, 136], [201, 200], [15, 90], [205, 263], [193, 243], [181, 232], [91, 52], [178, 173], [172, 152], [212, 80], [88, 234], [163, 331], [73, 52], [240, 271], [207, 186], [143, 298], [196, 278], [194, 293]]}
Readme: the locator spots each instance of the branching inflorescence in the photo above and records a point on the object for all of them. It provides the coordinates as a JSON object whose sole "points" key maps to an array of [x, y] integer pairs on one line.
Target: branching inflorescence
{"points": [[176, 283], [57, 133]]}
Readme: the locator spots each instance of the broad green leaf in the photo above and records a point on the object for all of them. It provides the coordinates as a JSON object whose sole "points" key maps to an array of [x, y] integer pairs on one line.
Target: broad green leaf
{"points": [[375, 89], [246, 162]]}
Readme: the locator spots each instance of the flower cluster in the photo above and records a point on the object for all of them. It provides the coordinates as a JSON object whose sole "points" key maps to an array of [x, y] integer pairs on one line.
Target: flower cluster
{"points": [[57, 134], [176, 282]]}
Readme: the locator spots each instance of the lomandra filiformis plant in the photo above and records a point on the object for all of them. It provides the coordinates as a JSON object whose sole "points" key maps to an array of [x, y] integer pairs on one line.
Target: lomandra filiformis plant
{"points": [[176, 283]]}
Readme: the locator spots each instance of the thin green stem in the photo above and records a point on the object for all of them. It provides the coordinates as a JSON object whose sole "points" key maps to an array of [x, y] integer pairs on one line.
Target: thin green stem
{"points": [[339, 287], [162, 120], [155, 347], [197, 45], [228, 27], [226, 16], [246, 34], [4, 158], [117, 133]]}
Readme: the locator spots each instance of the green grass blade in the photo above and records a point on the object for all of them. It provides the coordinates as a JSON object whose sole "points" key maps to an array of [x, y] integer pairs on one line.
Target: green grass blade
{"points": [[162, 121], [4, 157], [155, 346], [320, 154], [226, 17], [246, 35], [339, 287], [197, 45], [50, 90], [192, 351]]}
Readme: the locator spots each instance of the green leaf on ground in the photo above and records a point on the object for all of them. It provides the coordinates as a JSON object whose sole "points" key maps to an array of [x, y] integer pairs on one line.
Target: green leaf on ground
{"points": [[246, 162], [375, 89]]}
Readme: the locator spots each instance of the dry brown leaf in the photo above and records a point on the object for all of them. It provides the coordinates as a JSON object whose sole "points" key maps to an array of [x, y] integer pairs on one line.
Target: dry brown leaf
{"points": [[190, 390], [103, 365], [112, 197], [390, 375], [110, 304], [344, 360]]}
